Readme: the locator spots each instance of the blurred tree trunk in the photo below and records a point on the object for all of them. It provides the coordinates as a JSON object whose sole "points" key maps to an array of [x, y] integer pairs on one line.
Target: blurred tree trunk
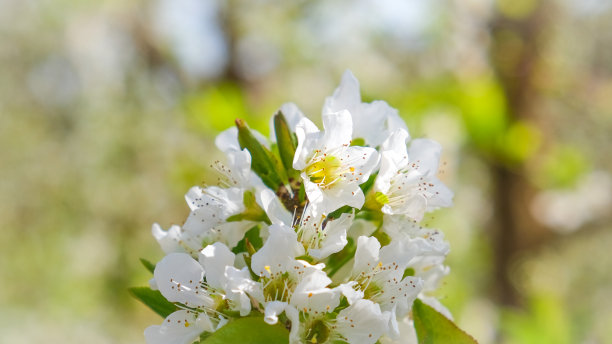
{"points": [[516, 51]]}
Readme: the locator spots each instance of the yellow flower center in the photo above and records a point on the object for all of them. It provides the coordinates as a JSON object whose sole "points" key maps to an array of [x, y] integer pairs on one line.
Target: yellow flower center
{"points": [[324, 170]]}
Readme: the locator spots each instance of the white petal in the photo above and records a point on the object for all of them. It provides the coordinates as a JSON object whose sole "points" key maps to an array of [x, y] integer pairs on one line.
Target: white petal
{"points": [[240, 167], [216, 201], [346, 96], [338, 128], [311, 294], [178, 277], [351, 294], [426, 154], [168, 240], [335, 237], [366, 255], [230, 233], [400, 295], [274, 208], [324, 202], [292, 115], [428, 241], [362, 160], [294, 317], [180, 327], [370, 121], [394, 122], [395, 147], [363, 322], [399, 251], [238, 284], [153, 284], [308, 137], [273, 309], [214, 258], [227, 140], [441, 196], [394, 157], [279, 250]]}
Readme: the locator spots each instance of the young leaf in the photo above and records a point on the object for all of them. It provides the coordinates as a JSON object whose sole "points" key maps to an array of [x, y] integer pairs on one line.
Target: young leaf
{"points": [[286, 143], [154, 300], [148, 265], [249, 330], [434, 328], [252, 237], [263, 162]]}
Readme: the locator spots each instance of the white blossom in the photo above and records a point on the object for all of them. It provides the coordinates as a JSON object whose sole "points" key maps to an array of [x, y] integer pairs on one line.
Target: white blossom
{"points": [[407, 182], [330, 167], [371, 121], [320, 236], [180, 327], [362, 322], [214, 272], [379, 273]]}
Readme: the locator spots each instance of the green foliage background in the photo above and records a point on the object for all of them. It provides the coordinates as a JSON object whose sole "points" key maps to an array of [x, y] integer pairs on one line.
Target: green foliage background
{"points": [[104, 127]]}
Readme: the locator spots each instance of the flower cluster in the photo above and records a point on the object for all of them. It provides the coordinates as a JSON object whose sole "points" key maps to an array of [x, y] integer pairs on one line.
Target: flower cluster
{"points": [[316, 229]]}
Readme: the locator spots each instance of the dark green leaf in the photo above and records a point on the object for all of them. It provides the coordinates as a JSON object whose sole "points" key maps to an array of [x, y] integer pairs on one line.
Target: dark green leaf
{"points": [[434, 328], [338, 212], [263, 162], [154, 300], [252, 235], [249, 330], [365, 187], [286, 143], [147, 264], [302, 193]]}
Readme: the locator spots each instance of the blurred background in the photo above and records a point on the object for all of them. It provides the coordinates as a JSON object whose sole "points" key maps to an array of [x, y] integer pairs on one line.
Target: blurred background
{"points": [[108, 112]]}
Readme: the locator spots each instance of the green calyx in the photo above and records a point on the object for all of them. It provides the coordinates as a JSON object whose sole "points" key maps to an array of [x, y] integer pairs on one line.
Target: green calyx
{"points": [[375, 200], [317, 332]]}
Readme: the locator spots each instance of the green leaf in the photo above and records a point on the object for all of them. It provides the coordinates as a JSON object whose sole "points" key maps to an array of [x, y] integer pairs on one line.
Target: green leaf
{"points": [[434, 328], [286, 143], [251, 236], [154, 300], [338, 212], [147, 264], [249, 330], [365, 187], [263, 162]]}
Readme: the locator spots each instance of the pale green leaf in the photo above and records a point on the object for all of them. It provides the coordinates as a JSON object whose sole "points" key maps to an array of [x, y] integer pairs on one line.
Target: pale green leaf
{"points": [[434, 328], [249, 330]]}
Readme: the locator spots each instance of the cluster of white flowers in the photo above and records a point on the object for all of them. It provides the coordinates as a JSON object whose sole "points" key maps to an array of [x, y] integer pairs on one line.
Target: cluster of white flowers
{"points": [[316, 229]]}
